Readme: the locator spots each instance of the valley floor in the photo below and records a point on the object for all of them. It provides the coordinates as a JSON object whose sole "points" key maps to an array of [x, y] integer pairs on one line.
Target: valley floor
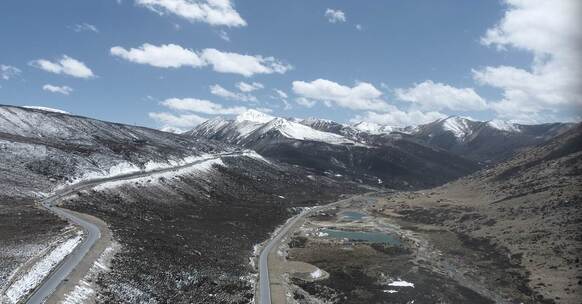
{"points": [[454, 244]]}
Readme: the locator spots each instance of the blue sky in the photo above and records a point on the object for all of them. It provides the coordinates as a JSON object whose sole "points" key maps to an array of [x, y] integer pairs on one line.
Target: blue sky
{"points": [[174, 63]]}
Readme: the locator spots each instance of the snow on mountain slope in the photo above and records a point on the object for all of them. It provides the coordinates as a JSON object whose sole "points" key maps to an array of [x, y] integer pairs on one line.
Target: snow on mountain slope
{"points": [[458, 126], [503, 125], [252, 124], [298, 131], [374, 128], [47, 109]]}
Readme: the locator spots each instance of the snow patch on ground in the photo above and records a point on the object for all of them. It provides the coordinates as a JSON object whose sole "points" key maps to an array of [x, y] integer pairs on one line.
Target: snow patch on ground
{"points": [[390, 291], [401, 283], [316, 274], [85, 290], [125, 168], [41, 269], [202, 167]]}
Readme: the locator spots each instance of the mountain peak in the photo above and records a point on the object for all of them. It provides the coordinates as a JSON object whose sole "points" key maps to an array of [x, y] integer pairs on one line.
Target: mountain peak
{"points": [[254, 116], [503, 125]]}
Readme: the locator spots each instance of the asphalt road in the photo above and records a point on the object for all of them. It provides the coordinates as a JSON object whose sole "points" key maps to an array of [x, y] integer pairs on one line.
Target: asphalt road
{"points": [[264, 282], [92, 232]]}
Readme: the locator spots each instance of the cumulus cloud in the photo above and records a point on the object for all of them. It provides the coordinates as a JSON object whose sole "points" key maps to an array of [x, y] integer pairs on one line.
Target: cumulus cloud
{"points": [[65, 90], [246, 65], [163, 56], [362, 96], [66, 65], [85, 27], [218, 90], [172, 121], [429, 95], [550, 31], [201, 106], [249, 87], [8, 72], [399, 118], [335, 16], [174, 56], [212, 12]]}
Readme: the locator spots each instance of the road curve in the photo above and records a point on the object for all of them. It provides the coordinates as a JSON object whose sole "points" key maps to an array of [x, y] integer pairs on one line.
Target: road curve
{"points": [[92, 232]]}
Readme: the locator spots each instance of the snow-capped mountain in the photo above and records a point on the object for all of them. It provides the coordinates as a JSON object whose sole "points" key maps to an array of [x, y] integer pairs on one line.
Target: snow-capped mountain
{"points": [[488, 141], [338, 150], [253, 125]]}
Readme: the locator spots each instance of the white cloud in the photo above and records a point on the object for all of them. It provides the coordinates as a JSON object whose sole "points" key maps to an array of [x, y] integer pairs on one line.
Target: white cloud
{"points": [[174, 56], [359, 27], [438, 96], [246, 65], [7, 72], [335, 16], [85, 27], [65, 90], [201, 106], [398, 118], [223, 35], [163, 56], [66, 65], [281, 94], [224, 93], [249, 87], [550, 31], [172, 121], [363, 96], [302, 101], [212, 12]]}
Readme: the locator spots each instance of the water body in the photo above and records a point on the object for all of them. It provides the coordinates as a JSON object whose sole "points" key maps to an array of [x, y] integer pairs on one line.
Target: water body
{"points": [[363, 236]]}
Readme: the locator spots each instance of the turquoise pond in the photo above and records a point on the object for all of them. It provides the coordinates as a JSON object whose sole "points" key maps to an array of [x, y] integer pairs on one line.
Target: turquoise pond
{"points": [[364, 236]]}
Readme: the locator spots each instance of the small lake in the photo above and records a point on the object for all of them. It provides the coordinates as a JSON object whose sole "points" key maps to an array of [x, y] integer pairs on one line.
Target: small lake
{"points": [[364, 236]]}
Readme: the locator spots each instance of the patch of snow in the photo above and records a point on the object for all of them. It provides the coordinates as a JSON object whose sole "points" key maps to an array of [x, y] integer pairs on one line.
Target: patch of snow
{"points": [[41, 269], [458, 126], [85, 290], [389, 291], [503, 125], [47, 109], [255, 155], [302, 132], [202, 167], [401, 283], [316, 274]]}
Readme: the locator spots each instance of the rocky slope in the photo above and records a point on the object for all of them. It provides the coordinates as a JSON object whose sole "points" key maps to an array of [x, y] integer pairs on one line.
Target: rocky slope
{"points": [[527, 209]]}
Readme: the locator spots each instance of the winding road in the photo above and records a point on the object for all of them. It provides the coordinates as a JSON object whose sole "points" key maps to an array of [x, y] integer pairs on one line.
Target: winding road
{"points": [[92, 232]]}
